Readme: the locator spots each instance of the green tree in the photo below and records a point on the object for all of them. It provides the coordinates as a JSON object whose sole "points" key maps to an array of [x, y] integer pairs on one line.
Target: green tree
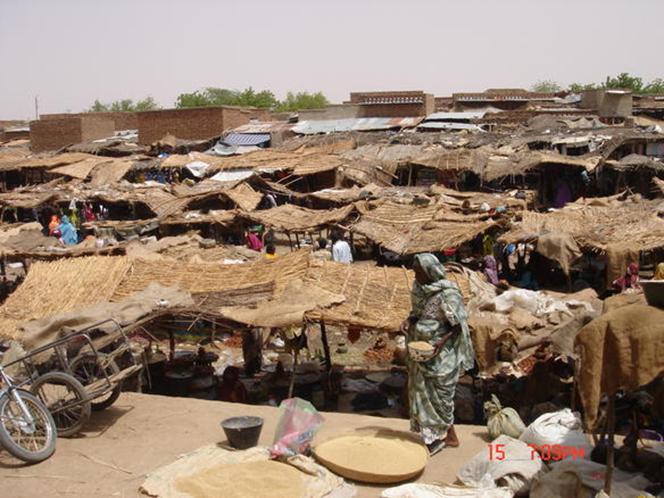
{"points": [[125, 105], [98, 107], [546, 86], [302, 100], [580, 87], [655, 86], [625, 81], [223, 96]]}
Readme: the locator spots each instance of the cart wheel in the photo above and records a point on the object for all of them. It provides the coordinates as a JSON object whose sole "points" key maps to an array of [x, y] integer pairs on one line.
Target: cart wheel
{"points": [[65, 398], [87, 369]]}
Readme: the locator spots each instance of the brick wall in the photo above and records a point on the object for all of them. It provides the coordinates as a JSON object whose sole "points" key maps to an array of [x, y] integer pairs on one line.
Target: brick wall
{"points": [[338, 111], [52, 134], [121, 120], [193, 124], [393, 110]]}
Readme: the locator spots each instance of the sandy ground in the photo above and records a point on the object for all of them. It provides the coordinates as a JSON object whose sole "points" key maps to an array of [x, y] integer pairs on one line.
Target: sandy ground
{"points": [[143, 432]]}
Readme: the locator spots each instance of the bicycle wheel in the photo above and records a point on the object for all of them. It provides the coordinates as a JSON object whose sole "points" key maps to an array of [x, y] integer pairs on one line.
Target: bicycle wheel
{"points": [[87, 370], [65, 398], [30, 443]]}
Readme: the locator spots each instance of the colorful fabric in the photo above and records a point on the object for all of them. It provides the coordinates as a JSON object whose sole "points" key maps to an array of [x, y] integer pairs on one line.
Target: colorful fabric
{"points": [[629, 280], [253, 242], [437, 307], [68, 234], [53, 225], [491, 269]]}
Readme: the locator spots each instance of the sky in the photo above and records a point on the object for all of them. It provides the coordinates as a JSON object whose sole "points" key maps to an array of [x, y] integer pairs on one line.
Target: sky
{"points": [[70, 52]]}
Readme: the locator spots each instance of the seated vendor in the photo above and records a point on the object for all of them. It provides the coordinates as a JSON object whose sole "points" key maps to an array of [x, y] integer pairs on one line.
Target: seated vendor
{"points": [[231, 389]]}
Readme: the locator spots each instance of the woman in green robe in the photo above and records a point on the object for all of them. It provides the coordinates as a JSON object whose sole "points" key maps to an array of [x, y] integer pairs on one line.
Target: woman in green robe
{"points": [[438, 317]]}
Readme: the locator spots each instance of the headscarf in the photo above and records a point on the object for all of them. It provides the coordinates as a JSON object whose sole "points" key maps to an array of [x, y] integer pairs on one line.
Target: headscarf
{"points": [[659, 272], [491, 269], [68, 233], [53, 225], [452, 303], [439, 283]]}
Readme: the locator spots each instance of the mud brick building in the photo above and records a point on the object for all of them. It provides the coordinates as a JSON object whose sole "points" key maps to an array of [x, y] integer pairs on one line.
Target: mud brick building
{"points": [[393, 104], [52, 134], [194, 123], [121, 120]]}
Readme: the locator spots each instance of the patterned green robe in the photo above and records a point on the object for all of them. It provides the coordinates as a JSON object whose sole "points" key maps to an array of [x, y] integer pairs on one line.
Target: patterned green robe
{"points": [[436, 308]]}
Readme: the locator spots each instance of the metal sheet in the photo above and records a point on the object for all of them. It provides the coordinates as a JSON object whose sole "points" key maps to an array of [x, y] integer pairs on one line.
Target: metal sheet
{"points": [[354, 124], [246, 138], [441, 125], [455, 116]]}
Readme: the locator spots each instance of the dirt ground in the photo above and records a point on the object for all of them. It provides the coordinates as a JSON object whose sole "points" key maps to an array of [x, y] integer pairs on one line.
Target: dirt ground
{"points": [[140, 433]]}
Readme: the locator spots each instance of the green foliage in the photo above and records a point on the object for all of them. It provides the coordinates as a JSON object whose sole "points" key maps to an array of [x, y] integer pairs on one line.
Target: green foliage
{"points": [[302, 100], [546, 86], [623, 81], [125, 105], [223, 96], [249, 97], [580, 87]]}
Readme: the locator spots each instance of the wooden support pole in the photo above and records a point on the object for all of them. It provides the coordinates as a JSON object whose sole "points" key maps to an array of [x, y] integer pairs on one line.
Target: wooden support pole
{"points": [[297, 240], [171, 342], [611, 426], [326, 346]]}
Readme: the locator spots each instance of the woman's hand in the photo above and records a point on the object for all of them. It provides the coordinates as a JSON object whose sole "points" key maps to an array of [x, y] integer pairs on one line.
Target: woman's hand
{"points": [[405, 325]]}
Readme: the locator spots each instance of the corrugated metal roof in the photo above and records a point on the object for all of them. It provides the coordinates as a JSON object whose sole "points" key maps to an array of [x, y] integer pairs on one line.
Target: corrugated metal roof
{"points": [[263, 127], [455, 116], [441, 125], [237, 174], [246, 138], [354, 124]]}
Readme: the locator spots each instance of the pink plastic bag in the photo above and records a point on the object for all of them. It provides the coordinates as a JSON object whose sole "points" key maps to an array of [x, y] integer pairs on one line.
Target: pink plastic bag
{"points": [[298, 422]]}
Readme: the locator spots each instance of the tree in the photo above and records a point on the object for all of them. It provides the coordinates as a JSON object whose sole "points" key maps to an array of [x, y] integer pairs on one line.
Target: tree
{"points": [[302, 100], [546, 86], [626, 82], [125, 105], [580, 87], [655, 86], [223, 96]]}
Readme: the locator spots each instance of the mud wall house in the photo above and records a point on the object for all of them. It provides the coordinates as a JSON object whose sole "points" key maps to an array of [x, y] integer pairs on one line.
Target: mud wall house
{"points": [[651, 106], [505, 99], [195, 123], [53, 134], [121, 120], [393, 104], [612, 105], [19, 132], [334, 111]]}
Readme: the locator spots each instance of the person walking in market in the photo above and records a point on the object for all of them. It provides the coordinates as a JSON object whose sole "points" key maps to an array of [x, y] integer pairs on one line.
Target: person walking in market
{"points": [[439, 318]]}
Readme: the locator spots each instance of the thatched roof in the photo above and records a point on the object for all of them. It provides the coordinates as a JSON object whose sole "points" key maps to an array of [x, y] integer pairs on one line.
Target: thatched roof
{"points": [[410, 228], [597, 224], [376, 297], [80, 169], [291, 218], [60, 286], [244, 197], [110, 172], [200, 278]]}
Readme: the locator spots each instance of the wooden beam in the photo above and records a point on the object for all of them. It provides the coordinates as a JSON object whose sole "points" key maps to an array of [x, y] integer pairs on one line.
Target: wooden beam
{"points": [[611, 425], [326, 346]]}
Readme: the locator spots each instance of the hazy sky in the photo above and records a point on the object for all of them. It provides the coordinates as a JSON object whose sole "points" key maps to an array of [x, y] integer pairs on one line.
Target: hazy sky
{"points": [[70, 52]]}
